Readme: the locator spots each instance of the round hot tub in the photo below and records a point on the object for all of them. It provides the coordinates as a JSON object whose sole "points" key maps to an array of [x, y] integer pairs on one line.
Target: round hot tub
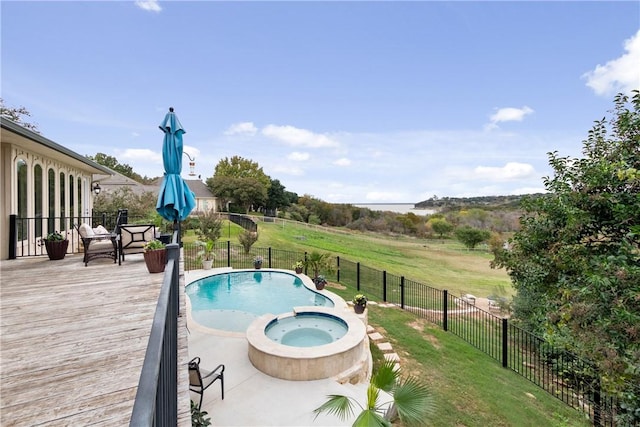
{"points": [[306, 329], [309, 343]]}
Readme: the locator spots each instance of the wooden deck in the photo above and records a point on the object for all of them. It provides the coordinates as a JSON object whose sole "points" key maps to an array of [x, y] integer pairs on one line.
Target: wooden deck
{"points": [[73, 340]]}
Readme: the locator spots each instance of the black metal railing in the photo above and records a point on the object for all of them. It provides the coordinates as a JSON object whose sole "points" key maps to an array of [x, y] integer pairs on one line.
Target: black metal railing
{"points": [[156, 401], [244, 221], [567, 377], [26, 234]]}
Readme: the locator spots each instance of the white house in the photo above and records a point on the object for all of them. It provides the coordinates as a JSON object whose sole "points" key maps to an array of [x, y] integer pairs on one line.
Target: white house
{"points": [[44, 182]]}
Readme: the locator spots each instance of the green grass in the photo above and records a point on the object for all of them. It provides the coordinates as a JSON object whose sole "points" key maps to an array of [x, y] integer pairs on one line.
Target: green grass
{"points": [[440, 264], [470, 388]]}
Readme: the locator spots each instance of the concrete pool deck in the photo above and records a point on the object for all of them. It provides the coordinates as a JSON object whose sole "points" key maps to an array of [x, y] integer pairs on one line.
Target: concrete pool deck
{"points": [[253, 398]]}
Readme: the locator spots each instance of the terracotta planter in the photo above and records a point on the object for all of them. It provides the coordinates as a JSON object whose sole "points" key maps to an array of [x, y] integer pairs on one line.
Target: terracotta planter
{"points": [[257, 265], [56, 249], [155, 260], [299, 270], [359, 308], [320, 284]]}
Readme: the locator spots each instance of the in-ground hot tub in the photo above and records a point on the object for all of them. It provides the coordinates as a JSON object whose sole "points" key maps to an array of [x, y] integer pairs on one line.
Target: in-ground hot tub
{"points": [[329, 355]]}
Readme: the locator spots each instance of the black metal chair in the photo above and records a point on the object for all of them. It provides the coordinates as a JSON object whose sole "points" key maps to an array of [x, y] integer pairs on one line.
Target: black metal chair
{"points": [[200, 379]]}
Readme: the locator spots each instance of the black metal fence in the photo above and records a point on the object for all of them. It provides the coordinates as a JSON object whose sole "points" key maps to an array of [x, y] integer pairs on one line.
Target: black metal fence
{"points": [[244, 221], [561, 373], [156, 401]]}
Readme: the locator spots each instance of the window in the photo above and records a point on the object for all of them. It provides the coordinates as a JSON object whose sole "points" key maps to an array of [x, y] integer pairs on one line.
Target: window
{"points": [[63, 212], [37, 198], [51, 188], [21, 168]]}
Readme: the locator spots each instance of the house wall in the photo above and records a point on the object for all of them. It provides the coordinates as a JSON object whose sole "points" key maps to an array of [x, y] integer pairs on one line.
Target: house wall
{"points": [[12, 154]]}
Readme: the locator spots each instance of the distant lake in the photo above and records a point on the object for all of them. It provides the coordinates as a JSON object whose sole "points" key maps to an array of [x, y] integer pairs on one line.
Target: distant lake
{"points": [[395, 207]]}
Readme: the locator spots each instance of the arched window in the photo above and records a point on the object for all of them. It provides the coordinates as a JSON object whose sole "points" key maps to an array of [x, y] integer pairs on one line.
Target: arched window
{"points": [[51, 188], [80, 207], [37, 198], [63, 212], [72, 190], [21, 169]]}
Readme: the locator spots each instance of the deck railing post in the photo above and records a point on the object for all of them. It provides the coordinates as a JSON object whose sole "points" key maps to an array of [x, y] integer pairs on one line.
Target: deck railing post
{"points": [[13, 236]]}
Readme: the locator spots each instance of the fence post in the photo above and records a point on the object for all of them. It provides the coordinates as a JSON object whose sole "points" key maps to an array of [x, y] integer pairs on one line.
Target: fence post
{"points": [[13, 236], [402, 292], [228, 253], [445, 303], [269, 252], [358, 276], [338, 269], [505, 341], [597, 408], [384, 285]]}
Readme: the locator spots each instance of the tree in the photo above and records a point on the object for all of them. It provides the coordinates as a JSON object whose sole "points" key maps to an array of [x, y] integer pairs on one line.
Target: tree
{"points": [[411, 401], [17, 115], [470, 236], [276, 196], [209, 227], [440, 226], [139, 205], [241, 181], [575, 263]]}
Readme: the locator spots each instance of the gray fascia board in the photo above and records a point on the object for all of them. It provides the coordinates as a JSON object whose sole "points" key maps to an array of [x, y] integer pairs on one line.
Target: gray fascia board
{"points": [[26, 133]]}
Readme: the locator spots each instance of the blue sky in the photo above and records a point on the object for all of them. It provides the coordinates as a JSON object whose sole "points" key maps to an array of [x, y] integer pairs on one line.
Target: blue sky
{"points": [[350, 102]]}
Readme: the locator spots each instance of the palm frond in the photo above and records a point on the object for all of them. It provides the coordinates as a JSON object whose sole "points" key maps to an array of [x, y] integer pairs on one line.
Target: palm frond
{"points": [[341, 406], [413, 401], [387, 376], [370, 418]]}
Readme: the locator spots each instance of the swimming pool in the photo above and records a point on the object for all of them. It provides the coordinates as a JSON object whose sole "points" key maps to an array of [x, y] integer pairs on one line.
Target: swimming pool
{"points": [[231, 301]]}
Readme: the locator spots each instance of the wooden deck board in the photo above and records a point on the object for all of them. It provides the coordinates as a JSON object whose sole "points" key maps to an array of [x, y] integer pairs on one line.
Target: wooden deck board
{"points": [[73, 340]]}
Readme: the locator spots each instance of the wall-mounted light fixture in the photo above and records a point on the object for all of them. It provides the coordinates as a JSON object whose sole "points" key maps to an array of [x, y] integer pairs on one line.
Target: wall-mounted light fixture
{"points": [[97, 189]]}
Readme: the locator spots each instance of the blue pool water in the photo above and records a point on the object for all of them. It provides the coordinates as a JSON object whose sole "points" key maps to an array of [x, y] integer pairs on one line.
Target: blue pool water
{"points": [[231, 301], [306, 329]]}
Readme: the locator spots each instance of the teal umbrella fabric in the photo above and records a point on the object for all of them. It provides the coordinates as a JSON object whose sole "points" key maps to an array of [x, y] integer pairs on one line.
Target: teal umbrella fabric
{"points": [[175, 200]]}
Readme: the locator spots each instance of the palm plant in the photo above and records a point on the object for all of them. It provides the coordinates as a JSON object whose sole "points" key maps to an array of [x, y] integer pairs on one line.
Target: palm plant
{"points": [[412, 402], [317, 261]]}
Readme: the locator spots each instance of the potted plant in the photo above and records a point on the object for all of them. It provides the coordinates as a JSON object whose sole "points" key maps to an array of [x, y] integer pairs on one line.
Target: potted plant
{"points": [[56, 245], [298, 266], [206, 253], [257, 262], [359, 303], [317, 262], [155, 256]]}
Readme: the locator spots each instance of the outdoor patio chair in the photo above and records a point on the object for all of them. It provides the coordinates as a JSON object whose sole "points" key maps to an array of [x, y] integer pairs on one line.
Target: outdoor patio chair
{"points": [[97, 243], [200, 379], [133, 237]]}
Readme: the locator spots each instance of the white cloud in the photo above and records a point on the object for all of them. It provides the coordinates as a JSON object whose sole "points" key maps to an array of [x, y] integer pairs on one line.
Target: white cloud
{"points": [[140, 154], [342, 162], [510, 171], [242, 128], [618, 75], [150, 5], [288, 170], [297, 156], [508, 114], [298, 137], [191, 151]]}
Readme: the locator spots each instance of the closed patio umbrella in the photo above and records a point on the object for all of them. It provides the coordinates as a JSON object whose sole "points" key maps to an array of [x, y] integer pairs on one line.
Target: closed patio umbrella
{"points": [[175, 199]]}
